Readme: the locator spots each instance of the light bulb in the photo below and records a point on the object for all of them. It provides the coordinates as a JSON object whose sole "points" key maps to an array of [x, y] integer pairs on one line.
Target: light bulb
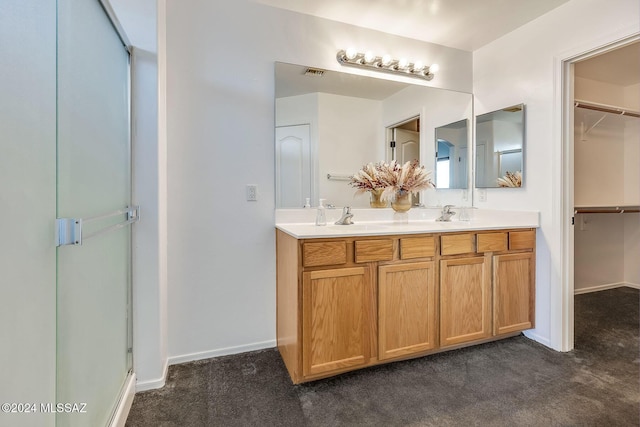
{"points": [[402, 63], [351, 53], [369, 57], [418, 66], [434, 68], [386, 60]]}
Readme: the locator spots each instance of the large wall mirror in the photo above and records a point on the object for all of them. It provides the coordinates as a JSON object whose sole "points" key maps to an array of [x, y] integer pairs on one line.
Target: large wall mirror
{"points": [[329, 124], [500, 148]]}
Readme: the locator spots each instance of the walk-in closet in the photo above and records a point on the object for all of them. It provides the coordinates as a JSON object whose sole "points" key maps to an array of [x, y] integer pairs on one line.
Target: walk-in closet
{"points": [[607, 170]]}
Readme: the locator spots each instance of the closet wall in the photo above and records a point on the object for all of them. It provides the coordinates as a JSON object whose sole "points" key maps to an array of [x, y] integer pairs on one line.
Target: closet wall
{"points": [[607, 175]]}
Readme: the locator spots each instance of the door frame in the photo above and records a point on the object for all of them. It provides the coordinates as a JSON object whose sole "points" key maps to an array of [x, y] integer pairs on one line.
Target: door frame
{"points": [[562, 303]]}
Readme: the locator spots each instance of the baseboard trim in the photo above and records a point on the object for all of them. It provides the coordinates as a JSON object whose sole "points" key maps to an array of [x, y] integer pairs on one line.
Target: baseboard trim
{"points": [[605, 287], [537, 338], [156, 383], [124, 404], [174, 360]]}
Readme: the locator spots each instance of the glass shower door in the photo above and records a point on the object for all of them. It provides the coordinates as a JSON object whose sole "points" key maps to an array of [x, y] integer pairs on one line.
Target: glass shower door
{"points": [[93, 195]]}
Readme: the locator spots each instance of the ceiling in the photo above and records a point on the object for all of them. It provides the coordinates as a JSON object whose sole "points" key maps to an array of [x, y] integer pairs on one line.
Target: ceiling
{"points": [[620, 66], [460, 24], [453, 23]]}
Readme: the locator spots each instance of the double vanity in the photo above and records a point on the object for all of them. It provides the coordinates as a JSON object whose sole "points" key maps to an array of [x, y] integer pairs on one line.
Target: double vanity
{"points": [[389, 288]]}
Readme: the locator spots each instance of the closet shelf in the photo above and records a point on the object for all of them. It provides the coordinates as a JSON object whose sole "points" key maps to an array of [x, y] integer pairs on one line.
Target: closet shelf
{"points": [[605, 209], [605, 108]]}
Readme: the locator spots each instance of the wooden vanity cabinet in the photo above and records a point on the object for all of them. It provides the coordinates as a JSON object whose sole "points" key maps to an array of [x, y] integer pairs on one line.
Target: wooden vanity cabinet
{"points": [[325, 306], [513, 292], [335, 319], [347, 303], [407, 309], [513, 279], [465, 290], [465, 300]]}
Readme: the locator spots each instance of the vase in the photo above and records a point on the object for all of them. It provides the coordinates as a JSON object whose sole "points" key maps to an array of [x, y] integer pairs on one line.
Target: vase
{"points": [[376, 201], [402, 202]]}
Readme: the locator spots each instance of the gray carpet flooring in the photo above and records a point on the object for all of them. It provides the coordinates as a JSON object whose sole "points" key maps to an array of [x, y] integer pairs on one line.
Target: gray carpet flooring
{"points": [[513, 382]]}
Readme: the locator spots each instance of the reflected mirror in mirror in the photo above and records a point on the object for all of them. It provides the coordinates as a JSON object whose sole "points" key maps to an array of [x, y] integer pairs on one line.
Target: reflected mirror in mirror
{"points": [[499, 148], [329, 124], [451, 155]]}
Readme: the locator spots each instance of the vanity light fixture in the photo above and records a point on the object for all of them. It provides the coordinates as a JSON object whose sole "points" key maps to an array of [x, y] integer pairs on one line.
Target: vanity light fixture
{"points": [[386, 63]]}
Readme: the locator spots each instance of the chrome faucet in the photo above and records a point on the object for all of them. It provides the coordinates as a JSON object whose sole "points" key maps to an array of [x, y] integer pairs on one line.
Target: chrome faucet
{"points": [[446, 213], [346, 218]]}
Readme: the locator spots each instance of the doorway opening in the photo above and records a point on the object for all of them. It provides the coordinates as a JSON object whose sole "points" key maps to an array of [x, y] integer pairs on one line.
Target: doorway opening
{"points": [[600, 173]]}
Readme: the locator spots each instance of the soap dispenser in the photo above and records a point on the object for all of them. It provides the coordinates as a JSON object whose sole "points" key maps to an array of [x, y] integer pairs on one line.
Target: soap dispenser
{"points": [[321, 216]]}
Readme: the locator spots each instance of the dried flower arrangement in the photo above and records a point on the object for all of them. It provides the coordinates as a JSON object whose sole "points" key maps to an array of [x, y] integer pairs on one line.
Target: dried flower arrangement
{"points": [[393, 178], [366, 179], [511, 179]]}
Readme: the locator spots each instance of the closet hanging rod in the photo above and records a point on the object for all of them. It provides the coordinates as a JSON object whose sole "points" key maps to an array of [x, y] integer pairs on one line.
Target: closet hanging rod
{"points": [[605, 108], [620, 209]]}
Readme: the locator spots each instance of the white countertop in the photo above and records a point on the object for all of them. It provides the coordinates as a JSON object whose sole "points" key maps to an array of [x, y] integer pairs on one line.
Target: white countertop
{"points": [[300, 223]]}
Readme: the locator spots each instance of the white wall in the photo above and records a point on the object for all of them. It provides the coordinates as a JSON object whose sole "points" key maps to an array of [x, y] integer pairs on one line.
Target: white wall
{"points": [[523, 67], [220, 110], [27, 207], [599, 256], [599, 160]]}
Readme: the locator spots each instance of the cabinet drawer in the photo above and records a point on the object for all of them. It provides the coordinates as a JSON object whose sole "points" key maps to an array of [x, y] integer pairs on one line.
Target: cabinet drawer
{"points": [[324, 253], [522, 239], [417, 247], [492, 242], [456, 244], [374, 250]]}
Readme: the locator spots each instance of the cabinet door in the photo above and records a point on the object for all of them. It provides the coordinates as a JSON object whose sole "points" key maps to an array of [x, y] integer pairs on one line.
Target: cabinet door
{"points": [[336, 319], [406, 309], [513, 277], [465, 300]]}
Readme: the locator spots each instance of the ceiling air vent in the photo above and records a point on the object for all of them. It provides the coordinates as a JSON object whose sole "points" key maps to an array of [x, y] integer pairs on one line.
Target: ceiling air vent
{"points": [[314, 72]]}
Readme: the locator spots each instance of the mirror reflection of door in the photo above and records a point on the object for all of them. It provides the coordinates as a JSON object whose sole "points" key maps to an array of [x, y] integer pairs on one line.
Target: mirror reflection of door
{"points": [[407, 145], [293, 166], [406, 136]]}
